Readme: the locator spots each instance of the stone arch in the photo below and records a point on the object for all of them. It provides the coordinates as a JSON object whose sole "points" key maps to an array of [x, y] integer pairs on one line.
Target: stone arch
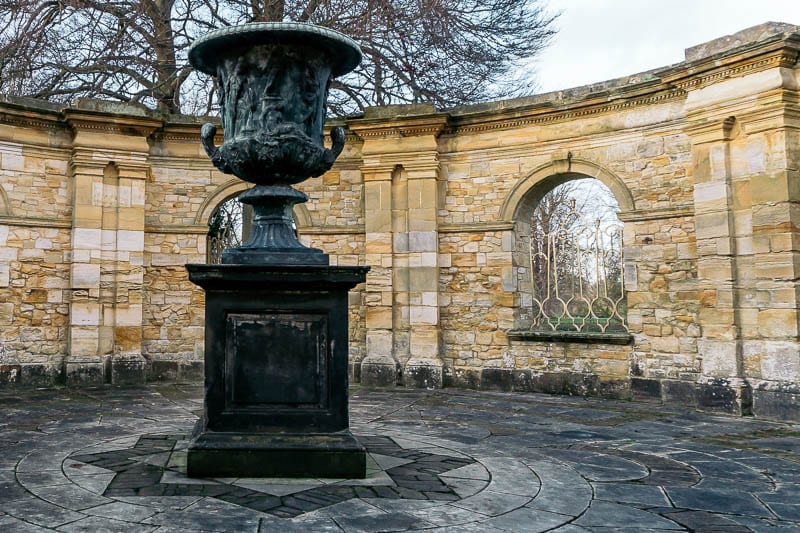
{"points": [[560, 171], [518, 210], [233, 187], [220, 194]]}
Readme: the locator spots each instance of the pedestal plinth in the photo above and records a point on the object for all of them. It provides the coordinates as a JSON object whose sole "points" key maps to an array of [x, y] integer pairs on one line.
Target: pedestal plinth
{"points": [[276, 384]]}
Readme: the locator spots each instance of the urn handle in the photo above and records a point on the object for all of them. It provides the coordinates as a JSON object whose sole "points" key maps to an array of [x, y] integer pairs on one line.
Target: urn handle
{"points": [[207, 134], [337, 136]]}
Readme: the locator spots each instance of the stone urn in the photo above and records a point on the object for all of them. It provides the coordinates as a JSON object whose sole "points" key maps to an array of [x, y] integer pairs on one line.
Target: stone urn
{"points": [[273, 80]]}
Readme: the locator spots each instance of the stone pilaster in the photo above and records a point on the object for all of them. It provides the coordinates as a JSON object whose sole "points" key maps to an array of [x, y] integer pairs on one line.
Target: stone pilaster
{"points": [[400, 172], [379, 367], [723, 385], [423, 367], [109, 171], [741, 124], [769, 158]]}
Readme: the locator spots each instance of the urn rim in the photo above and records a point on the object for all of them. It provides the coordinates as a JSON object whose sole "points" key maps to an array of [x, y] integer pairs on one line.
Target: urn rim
{"points": [[206, 52]]}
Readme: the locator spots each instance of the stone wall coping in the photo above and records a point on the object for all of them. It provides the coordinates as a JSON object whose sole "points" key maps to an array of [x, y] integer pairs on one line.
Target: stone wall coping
{"points": [[747, 36], [768, 45]]}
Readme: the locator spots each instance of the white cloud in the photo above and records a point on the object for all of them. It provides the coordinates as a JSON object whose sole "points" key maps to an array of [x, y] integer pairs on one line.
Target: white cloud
{"points": [[600, 40]]}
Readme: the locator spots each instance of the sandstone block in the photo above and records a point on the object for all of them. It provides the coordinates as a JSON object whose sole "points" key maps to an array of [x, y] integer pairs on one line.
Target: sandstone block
{"points": [[379, 317], [778, 323]]}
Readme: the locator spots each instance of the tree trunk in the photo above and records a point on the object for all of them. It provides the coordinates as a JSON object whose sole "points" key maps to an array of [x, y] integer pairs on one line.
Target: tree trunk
{"points": [[166, 90], [269, 11]]}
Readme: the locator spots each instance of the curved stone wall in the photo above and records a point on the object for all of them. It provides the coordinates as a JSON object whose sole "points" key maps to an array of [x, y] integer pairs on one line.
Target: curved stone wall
{"points": [[102, 204]]}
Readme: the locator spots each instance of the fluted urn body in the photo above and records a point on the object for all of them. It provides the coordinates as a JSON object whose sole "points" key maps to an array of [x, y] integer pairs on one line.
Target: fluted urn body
{"points": [[273, 81]]}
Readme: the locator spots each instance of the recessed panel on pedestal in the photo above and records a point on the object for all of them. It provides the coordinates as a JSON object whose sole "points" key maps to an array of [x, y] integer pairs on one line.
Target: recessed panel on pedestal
{"points": [[276, 358]]}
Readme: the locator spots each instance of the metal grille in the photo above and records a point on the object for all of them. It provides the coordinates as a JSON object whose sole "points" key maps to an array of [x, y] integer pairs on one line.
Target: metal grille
{"points": [[576, 273], [225, 229]]}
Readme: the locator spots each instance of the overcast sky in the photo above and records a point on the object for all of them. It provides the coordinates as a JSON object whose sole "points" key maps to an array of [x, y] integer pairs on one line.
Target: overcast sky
{"points": [[600, 40]]}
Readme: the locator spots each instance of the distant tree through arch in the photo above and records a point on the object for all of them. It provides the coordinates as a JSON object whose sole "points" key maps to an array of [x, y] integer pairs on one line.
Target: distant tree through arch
{"points": [[570, 259]]}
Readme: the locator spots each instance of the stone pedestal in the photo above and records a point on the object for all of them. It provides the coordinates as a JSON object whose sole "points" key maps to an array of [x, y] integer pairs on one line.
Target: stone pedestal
{"points": [[276, 398]]}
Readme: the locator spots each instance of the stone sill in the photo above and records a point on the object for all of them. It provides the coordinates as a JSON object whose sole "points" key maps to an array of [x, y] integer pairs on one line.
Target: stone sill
{"points": [[570, 336]]}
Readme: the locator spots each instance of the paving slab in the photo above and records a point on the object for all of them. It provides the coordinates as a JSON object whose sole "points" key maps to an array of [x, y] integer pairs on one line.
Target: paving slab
{"points": [[601, 514], [111, 459], [643, 495]]}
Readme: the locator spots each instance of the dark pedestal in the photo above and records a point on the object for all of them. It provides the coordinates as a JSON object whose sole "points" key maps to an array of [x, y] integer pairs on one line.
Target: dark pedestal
{"points": [[275, 373]]}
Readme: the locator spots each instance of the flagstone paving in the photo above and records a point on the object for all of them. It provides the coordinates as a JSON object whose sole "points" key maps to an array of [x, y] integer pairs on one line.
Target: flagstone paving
{"points": [[107, 460]]}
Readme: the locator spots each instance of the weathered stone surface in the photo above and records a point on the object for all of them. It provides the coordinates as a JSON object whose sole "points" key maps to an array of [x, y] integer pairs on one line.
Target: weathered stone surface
{"points": [[379, 371], [432, 201], [457, 460]]}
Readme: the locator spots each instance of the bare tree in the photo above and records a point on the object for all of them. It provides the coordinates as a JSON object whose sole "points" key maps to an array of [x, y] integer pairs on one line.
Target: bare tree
{"points": [[65, 49], [447, 52]]}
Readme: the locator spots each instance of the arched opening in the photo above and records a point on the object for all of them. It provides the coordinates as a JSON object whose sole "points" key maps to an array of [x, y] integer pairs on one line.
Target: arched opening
{"points": [[228, 227], [568, 257], [230, 223]]}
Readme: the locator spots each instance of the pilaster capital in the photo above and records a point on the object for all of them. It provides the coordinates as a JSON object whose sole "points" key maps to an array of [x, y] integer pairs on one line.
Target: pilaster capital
{"points": [[417, 164], [94, 161], [101, 129], [706, 130], [397, 123]]}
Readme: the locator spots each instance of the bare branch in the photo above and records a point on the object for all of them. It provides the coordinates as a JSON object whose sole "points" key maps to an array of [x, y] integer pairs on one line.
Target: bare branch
{"points": [[447, 52]]}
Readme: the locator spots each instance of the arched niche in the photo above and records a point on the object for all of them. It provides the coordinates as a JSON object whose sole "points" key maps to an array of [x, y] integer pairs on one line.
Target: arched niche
{"points": [[518, 209]]}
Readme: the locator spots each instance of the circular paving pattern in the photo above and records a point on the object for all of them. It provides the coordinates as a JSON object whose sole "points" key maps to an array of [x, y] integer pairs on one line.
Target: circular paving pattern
{"points": [[156, 466], [410, 478], [429, 469]]}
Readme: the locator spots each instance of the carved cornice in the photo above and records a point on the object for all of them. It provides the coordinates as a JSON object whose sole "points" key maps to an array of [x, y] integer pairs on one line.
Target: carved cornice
{"points": [[114, 124], [402, 131], [783, 58], [350, 136], [30, 113], [187, 132], [398, 127], [30, 120], [545, 114], [775, 53]]}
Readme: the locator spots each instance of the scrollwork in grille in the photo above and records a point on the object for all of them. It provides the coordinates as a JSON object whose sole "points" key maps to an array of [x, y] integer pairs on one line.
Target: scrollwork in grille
{"points": [[576, 274]]}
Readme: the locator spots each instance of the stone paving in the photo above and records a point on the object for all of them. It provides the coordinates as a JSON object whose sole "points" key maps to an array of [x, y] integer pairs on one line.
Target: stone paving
{"points": [[106, 460]]}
